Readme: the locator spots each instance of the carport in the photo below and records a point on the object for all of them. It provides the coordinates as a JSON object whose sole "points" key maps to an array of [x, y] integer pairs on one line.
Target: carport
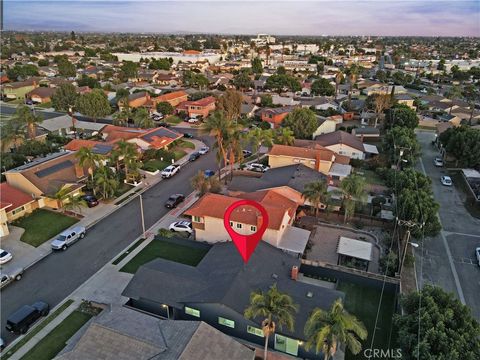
{"points": [[360, 252]]}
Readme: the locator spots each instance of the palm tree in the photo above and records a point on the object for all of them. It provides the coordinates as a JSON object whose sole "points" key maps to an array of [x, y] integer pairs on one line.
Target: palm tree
{"points": [[199, 183], [284, 136], [275, 307], [25, 117], [121, 118], [73, 203], [218, 126], [234, 148], [86, 157], [62, 195], [352, 79], [353, 189], [258, 137], [10, 132], [326, 330], [338, 80], [106, 182], [316, 193], [142, 119], [128, 153]]}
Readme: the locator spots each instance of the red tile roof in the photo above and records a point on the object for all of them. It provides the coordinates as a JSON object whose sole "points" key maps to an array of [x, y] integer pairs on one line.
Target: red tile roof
{"points": [[171, 96], [203, 102], [12, 198]]}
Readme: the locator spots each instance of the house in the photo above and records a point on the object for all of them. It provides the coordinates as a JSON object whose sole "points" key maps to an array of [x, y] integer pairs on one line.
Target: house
{"points": [[366, 132], [218, 290], [41, 94], [311, 155], [14, 203], [405, 99], [275, 116], [248, 110], [384, 89], [125, 333], [63, 125], [156, 138], [97, 147], [166, 79], [319, 103], [44, 177], [202, 107], [347, 144], [325, 126], [18, 90], [173, 98], [208, 212], [284, 101], [136, 100]]}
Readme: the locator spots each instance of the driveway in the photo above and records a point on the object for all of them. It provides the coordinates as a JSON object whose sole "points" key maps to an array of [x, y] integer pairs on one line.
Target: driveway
{"points": [[447, 260], [59, 274]]}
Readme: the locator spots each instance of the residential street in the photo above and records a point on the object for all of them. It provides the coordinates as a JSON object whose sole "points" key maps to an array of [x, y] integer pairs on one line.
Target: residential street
{"points": [[55, 277], [449, 258]]}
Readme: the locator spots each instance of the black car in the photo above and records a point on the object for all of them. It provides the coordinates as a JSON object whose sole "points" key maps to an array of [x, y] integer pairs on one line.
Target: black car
{"points": [[188, 136], [91, 200], [194, 156], [174, 200], [163, 124], [246, 153], [19, 322]]}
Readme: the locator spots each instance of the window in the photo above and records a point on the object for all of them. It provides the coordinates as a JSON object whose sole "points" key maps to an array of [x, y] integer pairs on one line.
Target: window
{"points": [[255, 331], [197, 219], [285, 344], [239, 226], [253, 228], [226, 322], [17, 210], [231, 223], [191, 311]]}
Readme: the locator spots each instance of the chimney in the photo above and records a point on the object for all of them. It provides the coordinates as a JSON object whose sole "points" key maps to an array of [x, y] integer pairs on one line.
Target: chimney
{"points": [[317, 160], [79, 171], [295, 273], [259, 221]]}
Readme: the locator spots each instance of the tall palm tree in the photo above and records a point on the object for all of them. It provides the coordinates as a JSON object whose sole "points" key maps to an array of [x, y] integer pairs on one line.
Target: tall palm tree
{"points": [[62, 195], [259, 137], [86, 157], [199, 183], [106, 182], [338, 80], [352, 79], [142, 119], [218, 126], [25, 117], [284, 136], [126, 152], [353, 189], [121, 118], [275, 307], [316, 193], [73, 203], [10, 132], [326, 330], [234, 148]]}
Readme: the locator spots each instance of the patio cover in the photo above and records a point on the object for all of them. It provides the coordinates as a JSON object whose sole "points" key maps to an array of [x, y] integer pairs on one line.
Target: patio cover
{"points": [[355, 248], [371, 149], [294, 240]]}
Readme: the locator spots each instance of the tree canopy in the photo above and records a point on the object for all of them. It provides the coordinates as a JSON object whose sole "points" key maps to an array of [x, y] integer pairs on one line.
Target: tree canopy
{"points": [[160, 64], [279, 82], [401, 139], [463, 143], [165, 108], [323, 87], [401, 115], [303, 123], [94, 104], [257, 66], [230, 103], [66, 68], [64, 97], [448, 330], [242, 80]]}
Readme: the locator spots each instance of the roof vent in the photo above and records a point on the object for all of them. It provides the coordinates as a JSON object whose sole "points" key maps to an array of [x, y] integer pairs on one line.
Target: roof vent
{"points": [[309, 294], [275, 276]]}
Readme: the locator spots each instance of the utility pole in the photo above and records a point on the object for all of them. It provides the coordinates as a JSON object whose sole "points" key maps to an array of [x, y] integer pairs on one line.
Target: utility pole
{"points": [[410, 225], [141, 213]]}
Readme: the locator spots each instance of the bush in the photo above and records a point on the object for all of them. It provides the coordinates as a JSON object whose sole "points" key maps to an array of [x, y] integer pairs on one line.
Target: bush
{"points": [[264, 125]]}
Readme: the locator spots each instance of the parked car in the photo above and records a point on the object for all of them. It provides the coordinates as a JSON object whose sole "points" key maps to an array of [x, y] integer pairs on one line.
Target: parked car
{"points": [[5, 256], [6, 279], [477, 252], [192, 121], [194, 156], [181, 226], [188, 136], [438, 162], [203, 150], [170, 170], [163, 124], [246, 153], [91, 200], [2, 344], [446, 180], [174, 200], [68, 237], [20, 321], [208, 173], [257, 167]]}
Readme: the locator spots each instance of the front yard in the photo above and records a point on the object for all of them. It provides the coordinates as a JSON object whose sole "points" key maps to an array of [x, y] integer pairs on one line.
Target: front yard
{"points": [[168, 250], [41, 225], [173, 119]]}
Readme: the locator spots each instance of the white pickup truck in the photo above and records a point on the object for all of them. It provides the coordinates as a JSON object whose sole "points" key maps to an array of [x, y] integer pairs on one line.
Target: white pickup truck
{"points": [[68, 237], [6, 279], [170, 170]]}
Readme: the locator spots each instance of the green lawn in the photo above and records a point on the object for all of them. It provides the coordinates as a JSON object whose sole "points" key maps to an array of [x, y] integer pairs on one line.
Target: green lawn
{"points": [[165, 250], [184, 144], [56, 340], [125, 254], [37, 329], [362, 301], [371, 177], [122, 189], [178, 153], [173, 120], [152, 165], [42, 225]]}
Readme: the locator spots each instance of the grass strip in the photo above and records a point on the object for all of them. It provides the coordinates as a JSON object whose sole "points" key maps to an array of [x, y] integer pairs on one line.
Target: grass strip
{"points": [[129, 250]]}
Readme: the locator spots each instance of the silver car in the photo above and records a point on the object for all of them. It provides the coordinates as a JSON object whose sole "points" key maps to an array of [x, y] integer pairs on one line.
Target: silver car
{"points": [[68, 237]]}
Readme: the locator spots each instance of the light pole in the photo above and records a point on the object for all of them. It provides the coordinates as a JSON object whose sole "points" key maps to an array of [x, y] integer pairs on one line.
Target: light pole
{"points": [[141, 213]]}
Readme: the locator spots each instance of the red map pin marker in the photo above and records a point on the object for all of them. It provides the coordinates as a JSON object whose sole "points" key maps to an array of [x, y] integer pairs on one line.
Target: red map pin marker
{"points": [[246, 244]]}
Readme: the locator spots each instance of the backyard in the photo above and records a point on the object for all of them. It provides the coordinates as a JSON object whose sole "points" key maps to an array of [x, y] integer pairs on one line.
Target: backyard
{"points": [[41, 225], [168, 250], [362, 301]]}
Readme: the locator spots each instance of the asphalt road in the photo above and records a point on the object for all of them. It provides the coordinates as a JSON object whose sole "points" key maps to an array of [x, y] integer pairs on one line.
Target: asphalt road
{"points": [[449, 259], [59, 274]]}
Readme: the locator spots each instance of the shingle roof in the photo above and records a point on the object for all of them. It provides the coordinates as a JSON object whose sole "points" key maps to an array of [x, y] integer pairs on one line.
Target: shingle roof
{"points": [[340, 137], [302, 152], [222, 278]]}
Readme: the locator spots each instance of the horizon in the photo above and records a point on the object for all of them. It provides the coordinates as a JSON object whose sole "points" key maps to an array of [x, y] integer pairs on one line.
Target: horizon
{"points": [[424, 18]]}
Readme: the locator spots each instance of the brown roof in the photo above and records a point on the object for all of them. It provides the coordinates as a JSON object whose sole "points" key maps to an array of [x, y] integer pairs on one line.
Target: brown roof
{"points": [[303, 152], [203, 102], [170, 96], [340, 137], [12, 198], [43, 92], [215, 205]]}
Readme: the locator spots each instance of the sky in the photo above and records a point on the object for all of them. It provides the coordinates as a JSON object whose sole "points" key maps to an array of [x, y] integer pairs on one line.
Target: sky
{"points": [[322, 17]]}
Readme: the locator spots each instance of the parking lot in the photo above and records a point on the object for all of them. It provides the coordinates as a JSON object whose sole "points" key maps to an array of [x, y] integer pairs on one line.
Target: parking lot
{"points": [[449, 259]]}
